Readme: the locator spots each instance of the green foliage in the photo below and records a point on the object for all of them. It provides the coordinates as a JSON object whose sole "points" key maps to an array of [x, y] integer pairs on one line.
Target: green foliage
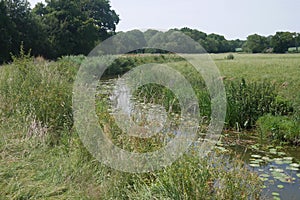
{"points": [[193, 33], [281, 41], [229, 57], [38, 92], [123, 64], [188, 178], [68, 171], [75, 26], [256, 44], [279, 129], [246, 102], [18, 24], [55, 29]]}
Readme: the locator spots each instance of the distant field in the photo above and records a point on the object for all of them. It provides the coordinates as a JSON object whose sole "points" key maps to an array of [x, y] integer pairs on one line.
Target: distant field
{"points": [[282, 69]]}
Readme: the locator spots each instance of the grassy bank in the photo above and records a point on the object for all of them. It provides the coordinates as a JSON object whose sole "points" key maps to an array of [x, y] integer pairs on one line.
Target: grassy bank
{"points": [[281, 70], [43, 157]]}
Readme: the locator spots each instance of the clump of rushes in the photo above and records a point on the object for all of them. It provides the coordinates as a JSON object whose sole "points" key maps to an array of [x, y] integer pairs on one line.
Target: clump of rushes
{"points": [[246, 102]]}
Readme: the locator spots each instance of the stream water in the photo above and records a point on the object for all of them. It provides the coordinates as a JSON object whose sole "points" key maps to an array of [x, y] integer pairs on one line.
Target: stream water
{"points": [[278, 167]]}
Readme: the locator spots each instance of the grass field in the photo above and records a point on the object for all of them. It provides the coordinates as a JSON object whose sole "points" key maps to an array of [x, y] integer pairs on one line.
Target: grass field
{"points": [[33, 165], [282, 69]]}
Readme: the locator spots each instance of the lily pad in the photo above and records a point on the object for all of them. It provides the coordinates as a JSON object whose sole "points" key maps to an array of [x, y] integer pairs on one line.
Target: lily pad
{"points": [[298, 175], [276, 194], [265, 158], [281, 153], [263, 179], [264, 175], [279, 162], [288, 158], [278, 170], [257, 161], [296, 165], [281, 177], [254, 165], [255, 147], [280, 186], [287, 161], [255, 156], [292, 168]]}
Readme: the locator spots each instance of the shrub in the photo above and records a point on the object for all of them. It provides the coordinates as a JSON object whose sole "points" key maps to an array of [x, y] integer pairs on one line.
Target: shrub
{"points": [[229, 57], [279, 128]]}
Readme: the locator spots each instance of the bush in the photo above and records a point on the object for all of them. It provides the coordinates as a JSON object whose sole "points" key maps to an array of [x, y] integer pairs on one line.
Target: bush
{"points": [[246, 102], [229, 57], [279, 129]]}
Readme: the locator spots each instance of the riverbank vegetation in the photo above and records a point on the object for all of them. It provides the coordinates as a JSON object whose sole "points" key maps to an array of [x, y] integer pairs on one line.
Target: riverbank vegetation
{"points": [[40, 148]]}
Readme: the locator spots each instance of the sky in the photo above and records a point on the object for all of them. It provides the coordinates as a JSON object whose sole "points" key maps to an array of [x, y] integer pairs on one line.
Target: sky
{"points": [[235, 19]]}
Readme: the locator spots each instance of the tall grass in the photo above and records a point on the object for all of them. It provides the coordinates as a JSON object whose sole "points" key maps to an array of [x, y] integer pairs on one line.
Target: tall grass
{"points": [[36, 101], [246, 102], [37, 91], [190, 178]]}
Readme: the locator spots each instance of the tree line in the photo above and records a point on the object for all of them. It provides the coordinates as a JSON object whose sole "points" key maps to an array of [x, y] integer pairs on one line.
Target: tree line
{"points": [[74, 27], [278, 43]]}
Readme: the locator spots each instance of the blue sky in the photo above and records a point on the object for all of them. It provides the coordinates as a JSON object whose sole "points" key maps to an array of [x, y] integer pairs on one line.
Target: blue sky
{"points": [[231, 18]]}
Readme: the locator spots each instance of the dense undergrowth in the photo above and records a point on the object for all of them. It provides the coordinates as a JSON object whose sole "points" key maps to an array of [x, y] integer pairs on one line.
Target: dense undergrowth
{"points": [[40, 148], [41, 91], [42, 156]]}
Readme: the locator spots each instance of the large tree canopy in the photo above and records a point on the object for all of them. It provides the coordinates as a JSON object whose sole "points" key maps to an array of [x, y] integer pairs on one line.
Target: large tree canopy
{"points": [[256, 44], [75, 26], [17, 25], [281, 41], [56, 28]]}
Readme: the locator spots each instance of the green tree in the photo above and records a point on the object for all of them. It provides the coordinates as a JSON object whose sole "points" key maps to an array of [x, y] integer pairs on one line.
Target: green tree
{"points": [[18, 25], [193, 33], [76, 26], [211, 45], [175, 41], [236, 44], [281, 41], [215, 43], [150, 33], [256, 44], [6, 30], [296, 37]]}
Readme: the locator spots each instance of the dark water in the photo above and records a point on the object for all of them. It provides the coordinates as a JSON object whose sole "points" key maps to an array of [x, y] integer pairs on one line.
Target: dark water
{"points": [[277, 166]]}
